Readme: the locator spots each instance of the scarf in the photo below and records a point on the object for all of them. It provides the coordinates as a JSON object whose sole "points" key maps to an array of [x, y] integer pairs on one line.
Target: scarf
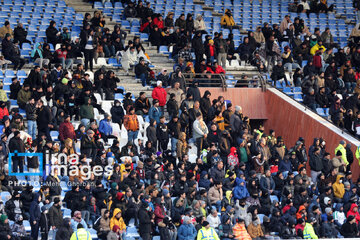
{"points": [[36, 49]]}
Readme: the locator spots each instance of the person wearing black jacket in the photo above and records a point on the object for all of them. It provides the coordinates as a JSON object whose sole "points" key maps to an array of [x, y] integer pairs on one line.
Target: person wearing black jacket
{"points": [[65, 231], [44, 119], [172, 106], [35, 215], [145, 221], [11, 52], [142, 104], [321, 98], [349, 228], [316, 165], [155, 37], [198, 46], [17, 144], [20, 34], [117, 113], [34, 78], [72, 197], [55, 215], [279, 73], [141, 71], [205, 104], [174, 127], [5, 230], [110, 85], [52, 34], [87, 43], [162, 134]]}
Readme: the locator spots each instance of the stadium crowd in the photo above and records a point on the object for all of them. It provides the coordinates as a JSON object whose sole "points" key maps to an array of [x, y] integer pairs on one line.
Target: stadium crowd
{"points": [[245, 183]]}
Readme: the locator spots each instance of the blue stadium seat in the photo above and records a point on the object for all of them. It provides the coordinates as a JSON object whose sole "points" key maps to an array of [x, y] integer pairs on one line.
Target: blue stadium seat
{"points": [[114, 62], [21, 74], [7, 81], [98, 5], [164, 50], [320, 111], [9, 73], [26, 46], [298, 97], [6, 88]]}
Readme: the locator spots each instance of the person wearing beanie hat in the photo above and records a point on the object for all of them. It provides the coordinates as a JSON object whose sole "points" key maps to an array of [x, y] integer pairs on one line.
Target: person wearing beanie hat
{"points": [[349, 229], [207, 232], [187, 230], [341, 148], [309, 232], [55, 214], [81, 233], [155, 112], [105, 128], [160, 94]]}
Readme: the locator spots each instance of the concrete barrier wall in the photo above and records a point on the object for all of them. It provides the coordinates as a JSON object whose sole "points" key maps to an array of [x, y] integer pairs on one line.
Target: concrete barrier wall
{"points": [[288, 118]]}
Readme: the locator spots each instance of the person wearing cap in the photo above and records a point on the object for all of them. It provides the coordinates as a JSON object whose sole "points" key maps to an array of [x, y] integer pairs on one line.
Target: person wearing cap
{"points": [[81, 233], [309, 232], [142, 71], [318, 46], [207, 232], [341, 148], [350, 229], [55, 215], [159, 94]]}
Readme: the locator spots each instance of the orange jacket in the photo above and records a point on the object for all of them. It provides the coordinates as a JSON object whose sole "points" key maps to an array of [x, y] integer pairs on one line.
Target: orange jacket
{"points": [[240, 232]]}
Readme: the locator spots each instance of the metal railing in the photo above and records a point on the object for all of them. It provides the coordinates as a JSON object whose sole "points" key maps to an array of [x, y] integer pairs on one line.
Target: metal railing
{"points": [[225, 81]]}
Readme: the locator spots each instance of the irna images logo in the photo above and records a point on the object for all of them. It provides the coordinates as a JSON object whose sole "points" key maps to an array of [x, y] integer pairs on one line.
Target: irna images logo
{"points": [[16, 156]]}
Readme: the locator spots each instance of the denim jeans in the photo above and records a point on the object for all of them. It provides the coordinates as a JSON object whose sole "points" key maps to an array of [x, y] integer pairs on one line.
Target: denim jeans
{"points": [[143, 79], [350, 86], [32, 128], [132, 136], [86, 216], [66, 64], [173, 145], [291, 66], [109, 51], [85, 121]]}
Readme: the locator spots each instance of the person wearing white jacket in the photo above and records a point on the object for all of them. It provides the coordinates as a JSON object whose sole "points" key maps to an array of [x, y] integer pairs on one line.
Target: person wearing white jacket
{"points": [[214, 219], [129, 58], [199, 24]]}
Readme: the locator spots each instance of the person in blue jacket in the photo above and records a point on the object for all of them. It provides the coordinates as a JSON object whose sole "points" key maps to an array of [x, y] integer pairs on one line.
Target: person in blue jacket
{"points": [[155, 111], [187, 230], [105, 128], [35, 215], [267, 183], [240, 190]]}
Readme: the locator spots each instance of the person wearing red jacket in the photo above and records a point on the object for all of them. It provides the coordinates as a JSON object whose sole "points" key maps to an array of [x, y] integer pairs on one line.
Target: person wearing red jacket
{"points": [[66, 129], [158, 21], [159, 93], [354, 212], [218, 68]]}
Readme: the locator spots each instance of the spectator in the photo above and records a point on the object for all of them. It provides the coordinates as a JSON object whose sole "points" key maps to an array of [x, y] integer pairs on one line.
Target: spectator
{"points": [[11, 52], [6, 29], [131, 124], [159, 94]]}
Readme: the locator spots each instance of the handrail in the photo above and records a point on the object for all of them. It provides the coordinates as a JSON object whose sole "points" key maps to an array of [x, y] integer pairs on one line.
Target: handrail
{"points": [[224, 81]]}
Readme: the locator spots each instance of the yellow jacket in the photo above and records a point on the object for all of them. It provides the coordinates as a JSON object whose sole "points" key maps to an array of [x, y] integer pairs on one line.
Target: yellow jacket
{"points": [[342, 149], [309, 232], [315, 48], [81, 234], [357, 154], [114, 221], [207, 234], [227, 21], [338, 187]]}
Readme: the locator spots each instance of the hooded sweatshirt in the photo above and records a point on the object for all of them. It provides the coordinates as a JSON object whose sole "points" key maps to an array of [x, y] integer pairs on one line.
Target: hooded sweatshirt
{"points": [[240, 191], [351, 212], [114, 221], [338, 187]]}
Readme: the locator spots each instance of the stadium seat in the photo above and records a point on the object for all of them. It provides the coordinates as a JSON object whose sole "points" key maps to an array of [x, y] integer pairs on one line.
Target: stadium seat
{"points": [[298, 97], [113, 62], [9, 74], [164, 50], [21, 74]]}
